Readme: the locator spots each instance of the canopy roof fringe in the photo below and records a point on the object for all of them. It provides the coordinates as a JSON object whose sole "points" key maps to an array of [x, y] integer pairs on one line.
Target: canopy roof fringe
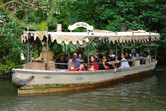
{"points": [[80, 37], [74, 37]]}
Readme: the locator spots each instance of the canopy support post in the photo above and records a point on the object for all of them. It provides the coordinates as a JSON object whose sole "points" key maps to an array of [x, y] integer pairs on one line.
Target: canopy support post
{"points": [[116, 50], [28, 42], [150, 52], [155, 53], [31, 56], [121, 48], [47, 46], [65, 50], [88, 55]]}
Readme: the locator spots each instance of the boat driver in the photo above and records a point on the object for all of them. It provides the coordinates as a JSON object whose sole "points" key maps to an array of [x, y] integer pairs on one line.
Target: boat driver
{"points": [[43, 56]]}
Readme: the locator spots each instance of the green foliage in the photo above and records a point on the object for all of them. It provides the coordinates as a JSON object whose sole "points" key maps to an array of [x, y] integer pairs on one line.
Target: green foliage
{"points": [[10, 65], [149, 15], [57, 48], [10, 45]]}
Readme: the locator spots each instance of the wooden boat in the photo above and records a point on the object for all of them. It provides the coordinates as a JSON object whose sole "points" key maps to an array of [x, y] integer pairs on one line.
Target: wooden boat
{"points": [[31, 81]]}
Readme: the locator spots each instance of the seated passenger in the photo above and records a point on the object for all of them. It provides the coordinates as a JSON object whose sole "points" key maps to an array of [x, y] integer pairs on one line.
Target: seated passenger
{"points": [[128, 57], [81, 67], [72, 64], [80, 57], [91, 68], [111, 56], [135, 62], [103, 65], [132, 52], [97, 56], [94, 62], [147, 58], [62, 62], [124, 63], [75, 60], [68, 60]]}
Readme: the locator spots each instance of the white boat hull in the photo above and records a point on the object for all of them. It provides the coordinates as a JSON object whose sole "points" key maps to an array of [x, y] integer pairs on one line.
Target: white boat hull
{"points": [[45, 81]]}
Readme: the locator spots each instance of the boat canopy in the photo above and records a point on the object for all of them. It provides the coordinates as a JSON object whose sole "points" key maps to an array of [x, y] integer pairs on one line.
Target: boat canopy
{"points": [[80, 37]]}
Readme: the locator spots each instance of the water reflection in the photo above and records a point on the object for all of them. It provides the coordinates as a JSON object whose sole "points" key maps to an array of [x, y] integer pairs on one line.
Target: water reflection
{"points": [[144, 94]]}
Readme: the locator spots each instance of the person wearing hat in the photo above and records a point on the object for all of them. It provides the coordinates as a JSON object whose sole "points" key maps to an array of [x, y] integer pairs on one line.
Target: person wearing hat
{"points": [[75, 60], [43, 56]]}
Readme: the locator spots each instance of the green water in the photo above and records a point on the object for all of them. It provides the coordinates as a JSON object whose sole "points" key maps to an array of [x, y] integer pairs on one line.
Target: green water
{"points": [[143, 94]]}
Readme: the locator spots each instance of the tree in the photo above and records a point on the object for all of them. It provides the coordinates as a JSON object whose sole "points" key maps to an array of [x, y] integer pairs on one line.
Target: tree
{"points": [[16, 16]]}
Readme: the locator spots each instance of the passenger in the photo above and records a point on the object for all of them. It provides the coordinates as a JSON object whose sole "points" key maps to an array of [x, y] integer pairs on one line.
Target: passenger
{"points": [[43, 57], [124, 64], [147, 58], [91, 54], [132, 52], [135, 62], [75, 60], [94, 62], [68, 60], [111, 56], [72, 64], [101, 56], [97, 56], [103, 65], [62, 62], [91, 68], [128, 58], [80, 57], [81, 67]]}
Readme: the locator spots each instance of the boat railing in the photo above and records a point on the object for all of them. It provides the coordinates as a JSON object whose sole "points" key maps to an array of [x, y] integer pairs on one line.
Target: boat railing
{"points": [[131, 60], [42, 66], [116, 61]]}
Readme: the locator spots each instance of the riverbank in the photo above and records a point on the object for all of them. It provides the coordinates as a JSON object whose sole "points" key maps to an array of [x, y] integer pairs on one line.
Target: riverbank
{"points": [[5, 76]]}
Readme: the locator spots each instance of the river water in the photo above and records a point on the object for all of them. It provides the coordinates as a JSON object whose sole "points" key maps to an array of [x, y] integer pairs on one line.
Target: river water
{"points": [[143, 94]]}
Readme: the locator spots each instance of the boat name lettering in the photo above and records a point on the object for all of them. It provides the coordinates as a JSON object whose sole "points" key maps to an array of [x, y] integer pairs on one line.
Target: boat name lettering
{"points": [[81, 25]]}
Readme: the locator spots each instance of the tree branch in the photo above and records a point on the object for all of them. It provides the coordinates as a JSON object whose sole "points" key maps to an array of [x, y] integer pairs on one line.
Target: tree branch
{"points": [[29, 5], [8, 3]]}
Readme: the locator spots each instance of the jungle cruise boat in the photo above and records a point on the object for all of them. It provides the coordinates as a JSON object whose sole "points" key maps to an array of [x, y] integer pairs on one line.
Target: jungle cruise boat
{"points": [[33, 79]]}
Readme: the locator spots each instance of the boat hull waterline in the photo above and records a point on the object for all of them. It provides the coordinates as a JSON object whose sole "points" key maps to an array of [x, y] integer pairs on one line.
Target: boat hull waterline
{"points": [[56, 81]]}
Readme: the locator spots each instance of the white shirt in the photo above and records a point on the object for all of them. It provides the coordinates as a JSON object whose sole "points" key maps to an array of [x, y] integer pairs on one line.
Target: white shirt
{"points": [[111, 55], [124, 64]]}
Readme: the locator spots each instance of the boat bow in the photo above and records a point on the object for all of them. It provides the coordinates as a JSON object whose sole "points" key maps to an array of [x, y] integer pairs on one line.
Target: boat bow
{"points": [[18, 82]]}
